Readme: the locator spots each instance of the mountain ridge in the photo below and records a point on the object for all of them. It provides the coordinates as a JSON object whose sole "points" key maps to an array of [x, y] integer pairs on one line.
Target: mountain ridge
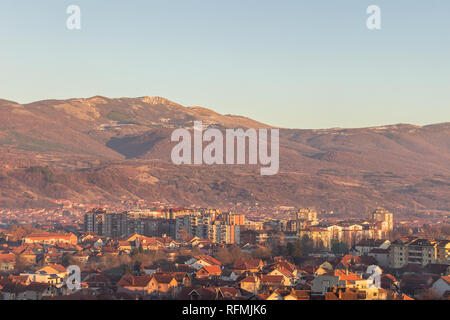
{"points": [[95, 150]]}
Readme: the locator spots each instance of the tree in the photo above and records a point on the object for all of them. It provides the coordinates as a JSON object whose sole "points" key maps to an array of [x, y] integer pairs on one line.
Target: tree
{"points": [[307, 245], [224, 256], [128, 269], [279, 250], [338, 247], [290, 249], [137, 268], [261, 253], [235, 253], [134, 252], [298, 250], [20, 264], [195, 251], [295, 250], [68, 260]]}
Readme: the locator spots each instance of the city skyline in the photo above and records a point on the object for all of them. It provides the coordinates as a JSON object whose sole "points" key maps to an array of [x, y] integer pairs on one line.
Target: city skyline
{"points": [[205, 158]]}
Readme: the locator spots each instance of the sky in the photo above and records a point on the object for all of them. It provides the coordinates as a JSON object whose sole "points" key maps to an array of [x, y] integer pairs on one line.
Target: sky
{"points": [[288, 63]]}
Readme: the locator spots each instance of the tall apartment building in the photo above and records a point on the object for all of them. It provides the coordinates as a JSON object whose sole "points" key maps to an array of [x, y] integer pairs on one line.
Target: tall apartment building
{"points": [[160, 228], [443, 252], [418, 251], [379, 226], [196, 224], [205, 225], [232, 218], [224, 233], [136, 225], [93, 221], [304, 218], [114, 225], [306, 214], [386, 220], [320, 237]]}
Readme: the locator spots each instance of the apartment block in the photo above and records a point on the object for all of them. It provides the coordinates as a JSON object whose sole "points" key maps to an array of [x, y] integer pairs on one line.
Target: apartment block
{"points": [[418, 251]]}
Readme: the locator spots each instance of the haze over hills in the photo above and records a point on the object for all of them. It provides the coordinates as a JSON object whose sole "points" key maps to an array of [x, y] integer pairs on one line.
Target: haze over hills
{"points": [[106, 150]]}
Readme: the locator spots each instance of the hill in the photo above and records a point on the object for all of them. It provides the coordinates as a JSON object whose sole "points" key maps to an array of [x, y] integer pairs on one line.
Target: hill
{"points": [[107, 150]]}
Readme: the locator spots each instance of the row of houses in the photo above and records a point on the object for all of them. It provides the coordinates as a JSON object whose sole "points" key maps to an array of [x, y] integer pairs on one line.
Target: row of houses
{"points": [[194, 269]]}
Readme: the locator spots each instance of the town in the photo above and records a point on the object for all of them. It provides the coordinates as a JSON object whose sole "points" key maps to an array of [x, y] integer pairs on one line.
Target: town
{"points": [[159, 252]]}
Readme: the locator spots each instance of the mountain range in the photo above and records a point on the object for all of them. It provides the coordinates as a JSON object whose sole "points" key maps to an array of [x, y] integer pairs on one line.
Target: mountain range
{"points": [[102, 150]]}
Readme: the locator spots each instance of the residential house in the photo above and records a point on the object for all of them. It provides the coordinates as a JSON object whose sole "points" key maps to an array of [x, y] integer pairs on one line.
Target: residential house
{"points": [[135, 285], [289, 278], [7, 261], [272, 282], [338, 279], [243, 265], [227, 293], [209, 272], [323, 283], [139, 286], [289, 295], [98, 281], [31, 291], [26, 254], [229, 275], [324, 268], [189, 293], [442, 286], [54, 275], [251, 284], [200, 261], [163, 284]]}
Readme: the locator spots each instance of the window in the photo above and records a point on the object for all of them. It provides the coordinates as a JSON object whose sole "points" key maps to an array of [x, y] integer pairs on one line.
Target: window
{"points": [[325, 286]]}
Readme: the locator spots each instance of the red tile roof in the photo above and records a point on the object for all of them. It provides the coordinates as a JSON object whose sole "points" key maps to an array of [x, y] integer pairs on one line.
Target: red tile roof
{"points": [[7, 257], [271, 279], [163, 278], [134, 281], [446, 279], [251, 279], [208, 259], [245, 264], [212, 270], [347, 277]]}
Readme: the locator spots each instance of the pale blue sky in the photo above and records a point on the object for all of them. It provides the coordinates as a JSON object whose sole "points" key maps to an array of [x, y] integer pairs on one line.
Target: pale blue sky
{"points": [[290, 63]]}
